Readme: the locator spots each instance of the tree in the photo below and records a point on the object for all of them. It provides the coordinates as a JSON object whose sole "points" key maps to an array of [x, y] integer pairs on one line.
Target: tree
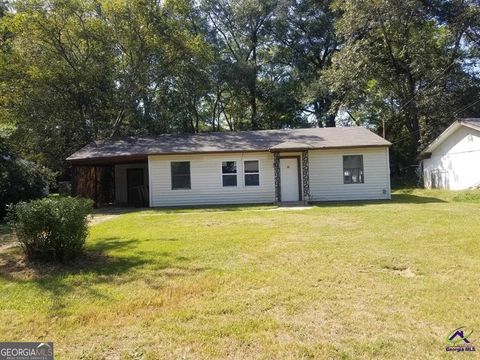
{"points": [[401, 67], [20, 180], [56, 80], [73, 71], [242, 39], [305, 33], [84, 70]]}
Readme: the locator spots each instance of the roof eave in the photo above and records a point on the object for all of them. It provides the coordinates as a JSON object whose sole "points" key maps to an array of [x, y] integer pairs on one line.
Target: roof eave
{"points": [[142, 157], [440, 139], [469, 125], [328, 147]]}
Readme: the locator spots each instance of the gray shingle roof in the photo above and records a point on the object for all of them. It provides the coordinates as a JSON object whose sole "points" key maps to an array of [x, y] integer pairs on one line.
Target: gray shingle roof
{"points": [[262, 140]]}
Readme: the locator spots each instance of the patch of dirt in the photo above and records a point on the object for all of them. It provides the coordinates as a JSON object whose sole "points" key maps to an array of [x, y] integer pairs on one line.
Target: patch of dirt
{"points": [[401, 271], [99, 218], [4, 246], [105, 214], [15, 266], [7, 239]]}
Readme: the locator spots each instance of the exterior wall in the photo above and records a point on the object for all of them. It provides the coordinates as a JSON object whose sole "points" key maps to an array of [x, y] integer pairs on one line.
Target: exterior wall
{"points": [[121, 180], [206, 180], [326, 175], [454, 164]]}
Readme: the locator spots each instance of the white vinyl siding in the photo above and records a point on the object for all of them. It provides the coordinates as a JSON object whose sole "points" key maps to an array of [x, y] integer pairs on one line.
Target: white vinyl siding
{"points": [[206, 180], [326, 175], [455, 164]]}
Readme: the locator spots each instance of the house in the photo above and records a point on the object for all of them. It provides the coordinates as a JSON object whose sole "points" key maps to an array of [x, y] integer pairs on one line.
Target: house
{"points": [[452, 161], [267, 166]]}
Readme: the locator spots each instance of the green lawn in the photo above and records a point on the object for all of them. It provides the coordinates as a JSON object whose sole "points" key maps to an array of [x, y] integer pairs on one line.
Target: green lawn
{"points": [[352, 280]]}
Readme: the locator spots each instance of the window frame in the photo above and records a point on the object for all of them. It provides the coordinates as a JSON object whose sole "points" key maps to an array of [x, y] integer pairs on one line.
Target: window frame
{"points": [[251, 173], [189, 175], [222, 174], [362, 168]]}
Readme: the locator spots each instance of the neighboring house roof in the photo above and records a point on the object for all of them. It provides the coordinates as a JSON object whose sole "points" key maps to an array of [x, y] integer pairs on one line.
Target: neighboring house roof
{"points": [[473, 123], [243, 141]]}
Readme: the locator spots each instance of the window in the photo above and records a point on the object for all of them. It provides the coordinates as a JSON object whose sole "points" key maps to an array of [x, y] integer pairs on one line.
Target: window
{"points": [[252, 176], [180, 174], [353, 169], [229, 173]]}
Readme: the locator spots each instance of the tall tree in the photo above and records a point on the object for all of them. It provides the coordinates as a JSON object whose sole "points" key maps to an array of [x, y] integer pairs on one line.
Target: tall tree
{"points": [[400, 67], [305, 34], [83, 70], [242, 36]]}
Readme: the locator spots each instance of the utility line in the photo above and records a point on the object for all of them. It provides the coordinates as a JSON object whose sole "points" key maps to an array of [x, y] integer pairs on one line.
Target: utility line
{"points": [[455, 114]]}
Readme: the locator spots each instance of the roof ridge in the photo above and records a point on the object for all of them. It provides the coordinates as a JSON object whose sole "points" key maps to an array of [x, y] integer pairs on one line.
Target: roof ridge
{"points": [[231, 132]]}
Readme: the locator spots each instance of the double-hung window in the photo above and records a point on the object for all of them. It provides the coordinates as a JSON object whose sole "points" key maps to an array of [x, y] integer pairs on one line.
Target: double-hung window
{"points": [[353, 169], [229, 173], [252, 174], [180, 175]]}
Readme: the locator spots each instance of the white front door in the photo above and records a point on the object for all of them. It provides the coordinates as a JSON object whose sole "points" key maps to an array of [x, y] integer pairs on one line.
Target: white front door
{"points": [[289, 179]]}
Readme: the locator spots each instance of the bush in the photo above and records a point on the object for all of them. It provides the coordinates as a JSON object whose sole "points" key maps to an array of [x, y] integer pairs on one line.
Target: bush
{"points": [[20, 180], [51, 229]]}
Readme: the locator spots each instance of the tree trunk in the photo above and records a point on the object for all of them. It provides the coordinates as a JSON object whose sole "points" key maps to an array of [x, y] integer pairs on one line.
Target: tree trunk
{"points": [[253, 84], [329, 118], [318, 113], [413, 116]]}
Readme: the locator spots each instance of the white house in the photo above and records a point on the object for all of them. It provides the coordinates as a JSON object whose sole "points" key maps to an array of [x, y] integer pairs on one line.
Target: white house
{"points": [[268, 166], [452, 161]]}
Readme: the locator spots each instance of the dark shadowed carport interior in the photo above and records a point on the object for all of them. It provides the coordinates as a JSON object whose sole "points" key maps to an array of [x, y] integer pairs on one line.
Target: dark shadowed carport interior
{"points": [[107, 182]]}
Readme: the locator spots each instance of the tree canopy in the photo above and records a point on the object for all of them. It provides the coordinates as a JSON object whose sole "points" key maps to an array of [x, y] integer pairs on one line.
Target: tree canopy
{"points": [[72, 71]]}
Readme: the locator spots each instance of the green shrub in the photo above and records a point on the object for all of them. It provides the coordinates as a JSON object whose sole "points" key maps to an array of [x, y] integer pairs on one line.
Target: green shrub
{"points": [[51, 229]]}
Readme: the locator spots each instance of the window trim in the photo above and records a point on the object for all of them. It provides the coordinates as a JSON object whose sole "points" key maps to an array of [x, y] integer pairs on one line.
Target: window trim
{"points": [[189, 174], [362, 168], [229, 174], [251, 173]]}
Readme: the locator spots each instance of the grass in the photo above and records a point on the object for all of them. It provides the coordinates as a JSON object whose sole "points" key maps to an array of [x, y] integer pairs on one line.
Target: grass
{"points": [[349, 280]]}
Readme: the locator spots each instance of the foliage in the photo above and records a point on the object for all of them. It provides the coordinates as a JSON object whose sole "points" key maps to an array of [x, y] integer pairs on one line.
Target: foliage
{"points": [[305, 33], [402, 69], [74, 71], [82, 70], [51, 229], [20, 180]]}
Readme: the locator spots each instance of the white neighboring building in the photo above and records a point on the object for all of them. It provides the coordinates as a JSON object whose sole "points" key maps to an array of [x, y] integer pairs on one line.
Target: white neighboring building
{"points": [[452, 161]]}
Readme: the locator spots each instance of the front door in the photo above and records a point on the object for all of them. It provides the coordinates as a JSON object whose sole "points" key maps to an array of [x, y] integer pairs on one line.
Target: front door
{"points": [[289, 177], [134, 184]]}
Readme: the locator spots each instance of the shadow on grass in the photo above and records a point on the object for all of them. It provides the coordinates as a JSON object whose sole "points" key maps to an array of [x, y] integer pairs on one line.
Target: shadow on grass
{"points": [[212, 208], [95, 260], [183, 209], [415, 199], [94, 267], [396, 199]]}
